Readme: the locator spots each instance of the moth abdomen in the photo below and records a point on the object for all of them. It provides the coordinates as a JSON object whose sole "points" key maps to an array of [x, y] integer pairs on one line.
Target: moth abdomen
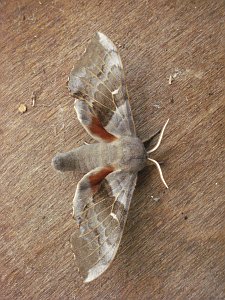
{"points": [[86, 157], [65, 161]]}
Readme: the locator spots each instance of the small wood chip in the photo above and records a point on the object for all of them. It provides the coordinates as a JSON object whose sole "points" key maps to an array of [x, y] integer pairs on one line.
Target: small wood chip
{"points": [[174, 75], [22, 108], [156, 199], [33, 98]]}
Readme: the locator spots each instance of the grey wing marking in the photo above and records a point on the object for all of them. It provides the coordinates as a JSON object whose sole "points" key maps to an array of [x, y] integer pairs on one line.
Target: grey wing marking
{"points": [[99, 80], [100, 216]]}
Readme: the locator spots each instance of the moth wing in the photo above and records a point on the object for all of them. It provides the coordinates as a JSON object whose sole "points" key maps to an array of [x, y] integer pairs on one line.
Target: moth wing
{"points": [[100, 208], [98, 80]]}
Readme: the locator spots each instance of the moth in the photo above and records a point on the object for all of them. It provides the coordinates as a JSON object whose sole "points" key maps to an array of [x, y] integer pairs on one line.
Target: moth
{"points": [[110, 166]]}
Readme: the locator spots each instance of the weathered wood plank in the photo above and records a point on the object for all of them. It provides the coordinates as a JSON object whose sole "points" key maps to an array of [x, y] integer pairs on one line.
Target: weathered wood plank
{"points": [[173, 248]]}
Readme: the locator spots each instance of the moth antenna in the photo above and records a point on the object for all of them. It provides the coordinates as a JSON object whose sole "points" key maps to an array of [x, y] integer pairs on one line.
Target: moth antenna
{"points": [[160, 138], [159, 169]]}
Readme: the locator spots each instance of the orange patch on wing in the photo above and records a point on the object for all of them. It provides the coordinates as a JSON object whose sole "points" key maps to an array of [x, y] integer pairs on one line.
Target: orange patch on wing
{"points": [[97, 129], [97, 178]]}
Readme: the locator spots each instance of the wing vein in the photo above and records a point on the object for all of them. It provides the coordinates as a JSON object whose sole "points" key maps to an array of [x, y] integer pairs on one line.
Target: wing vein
{"points": [[116, 79], [91, 85], [96, 215], [104, 85], [94, 227]]}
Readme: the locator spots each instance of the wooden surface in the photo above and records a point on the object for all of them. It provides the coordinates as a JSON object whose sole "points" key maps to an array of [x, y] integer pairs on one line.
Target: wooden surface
{"points": [[173, 248]]}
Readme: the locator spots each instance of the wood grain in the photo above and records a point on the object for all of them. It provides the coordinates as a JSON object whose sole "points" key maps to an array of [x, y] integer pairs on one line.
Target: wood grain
{"points": [[173, 248]]}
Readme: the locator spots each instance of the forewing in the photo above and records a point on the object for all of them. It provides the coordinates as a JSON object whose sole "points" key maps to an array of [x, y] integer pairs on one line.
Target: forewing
{"points": [[98, 79], [101, 204]]}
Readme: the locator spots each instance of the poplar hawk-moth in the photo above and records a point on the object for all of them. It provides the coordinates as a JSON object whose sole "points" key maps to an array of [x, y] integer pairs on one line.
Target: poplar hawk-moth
{"points": [[103, 195]]}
